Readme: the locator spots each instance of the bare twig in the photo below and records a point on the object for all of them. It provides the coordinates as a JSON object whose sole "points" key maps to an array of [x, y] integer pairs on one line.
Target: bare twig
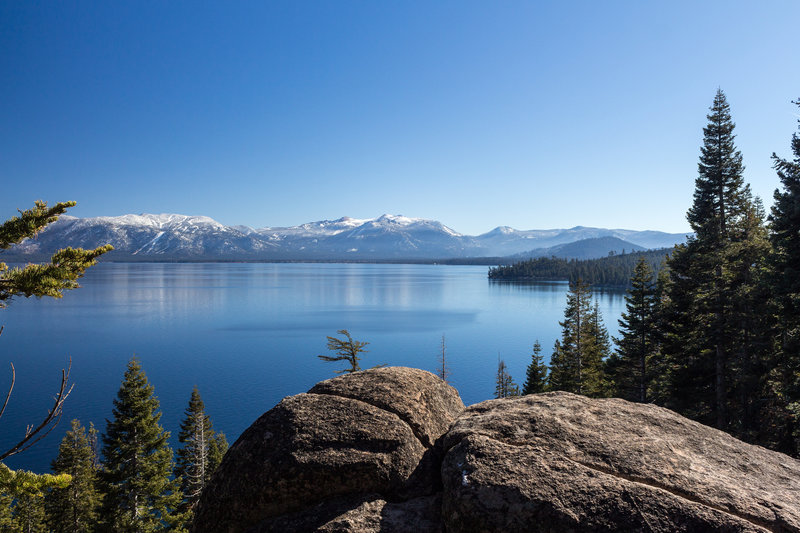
{"points": [[11, 388], [35, 434]]}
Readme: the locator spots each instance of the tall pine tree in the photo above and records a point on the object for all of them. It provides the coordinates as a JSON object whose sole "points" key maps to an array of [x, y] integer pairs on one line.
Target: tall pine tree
{"points": [[576, 363], [140, 496], [782, 413], [73, 509], [713, 303], [201, 452], [637, 342]]}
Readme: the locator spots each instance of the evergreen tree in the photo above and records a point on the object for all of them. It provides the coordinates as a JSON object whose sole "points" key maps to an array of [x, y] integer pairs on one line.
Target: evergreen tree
{"points": [[637, 344], [200, 454], [139, 494], [599, 333], [443, 370], [346, 349], [659, 373], [712, 290], [560, 376], [782, 413], [576, 363], [748, 322], [504, 383], [536, 376], [23, 493], [6, 518], [29, 514], [73, 509]]}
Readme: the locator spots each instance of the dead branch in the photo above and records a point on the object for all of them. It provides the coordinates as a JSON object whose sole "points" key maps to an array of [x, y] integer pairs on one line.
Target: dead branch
{"points": [[10, 389], [35, 434]]}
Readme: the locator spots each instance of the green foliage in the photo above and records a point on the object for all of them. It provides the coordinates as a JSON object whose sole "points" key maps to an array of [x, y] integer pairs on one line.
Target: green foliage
{"points": [[629, 370], [536, 375], [6, 518], [346, 349], [75, 507], [22, 494], [29, 514], [781, 415], [30, 222], [615, 270], [714, 303], [39, 280], [139, 494], [200, 454], [504, 383], [576, 363]]}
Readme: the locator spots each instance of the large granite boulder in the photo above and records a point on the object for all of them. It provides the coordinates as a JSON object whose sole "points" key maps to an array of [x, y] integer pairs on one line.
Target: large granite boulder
{"points": [[367, 437], [393, 450], [563, 462]]}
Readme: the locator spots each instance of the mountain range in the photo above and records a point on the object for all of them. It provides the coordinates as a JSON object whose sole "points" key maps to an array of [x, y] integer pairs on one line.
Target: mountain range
{"points": [[171, 237]]}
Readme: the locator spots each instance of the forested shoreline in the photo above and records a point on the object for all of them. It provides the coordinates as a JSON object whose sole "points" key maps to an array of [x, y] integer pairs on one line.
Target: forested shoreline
{"points": [[615, 270], [715, 334]]}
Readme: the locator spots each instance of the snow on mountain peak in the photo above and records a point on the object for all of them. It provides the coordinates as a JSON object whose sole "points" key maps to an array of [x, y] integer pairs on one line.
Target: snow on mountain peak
{"points": [[172, 235], [163, 220]]}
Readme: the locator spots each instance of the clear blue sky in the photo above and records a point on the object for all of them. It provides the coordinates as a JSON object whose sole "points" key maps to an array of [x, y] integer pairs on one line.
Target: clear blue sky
{"points": [[477, 114]]}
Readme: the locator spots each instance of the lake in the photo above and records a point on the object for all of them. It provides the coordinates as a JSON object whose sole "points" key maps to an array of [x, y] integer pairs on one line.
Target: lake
{"points": [[248, 334]]}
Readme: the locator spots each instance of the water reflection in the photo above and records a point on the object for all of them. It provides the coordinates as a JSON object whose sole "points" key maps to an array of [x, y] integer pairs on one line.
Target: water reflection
{"points": [[248, 334]]}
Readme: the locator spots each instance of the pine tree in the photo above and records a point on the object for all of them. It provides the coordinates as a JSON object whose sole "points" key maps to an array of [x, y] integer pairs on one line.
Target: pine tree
{"points": [[23, 493], [637, 344], [536, 376], [504, 383], [782, 413], [29, 514], [6, 518], [443, 370], [139, 497], [201, 453], [346, 350], [560, 376], [73, 509], [711, 293], [576, 363]]}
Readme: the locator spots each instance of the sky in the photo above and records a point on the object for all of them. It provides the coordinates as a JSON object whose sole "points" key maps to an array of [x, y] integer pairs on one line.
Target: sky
{"points": [[528, 114]]}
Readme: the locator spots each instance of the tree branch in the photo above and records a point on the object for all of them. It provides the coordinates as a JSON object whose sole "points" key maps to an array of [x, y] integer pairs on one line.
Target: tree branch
{"points": [[34, 435], [10, 389]]}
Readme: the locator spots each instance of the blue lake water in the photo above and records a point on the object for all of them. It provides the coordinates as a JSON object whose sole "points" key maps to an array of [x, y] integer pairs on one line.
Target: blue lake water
{"points": [[248, 334]]}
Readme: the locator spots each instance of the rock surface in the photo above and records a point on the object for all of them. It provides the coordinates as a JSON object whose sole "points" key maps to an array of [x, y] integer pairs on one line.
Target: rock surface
{"points": [[562, 462], [371, 432], [419, 398], [369, 514], [393, 450]]}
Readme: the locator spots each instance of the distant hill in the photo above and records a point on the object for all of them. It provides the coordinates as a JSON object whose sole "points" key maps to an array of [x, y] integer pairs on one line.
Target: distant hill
{"points": [[584, 249], [170, 237], [615, 270]]}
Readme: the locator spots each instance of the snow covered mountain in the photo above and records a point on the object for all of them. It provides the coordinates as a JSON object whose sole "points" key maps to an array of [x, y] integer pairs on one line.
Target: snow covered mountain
{"points": [[170, 237]]}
